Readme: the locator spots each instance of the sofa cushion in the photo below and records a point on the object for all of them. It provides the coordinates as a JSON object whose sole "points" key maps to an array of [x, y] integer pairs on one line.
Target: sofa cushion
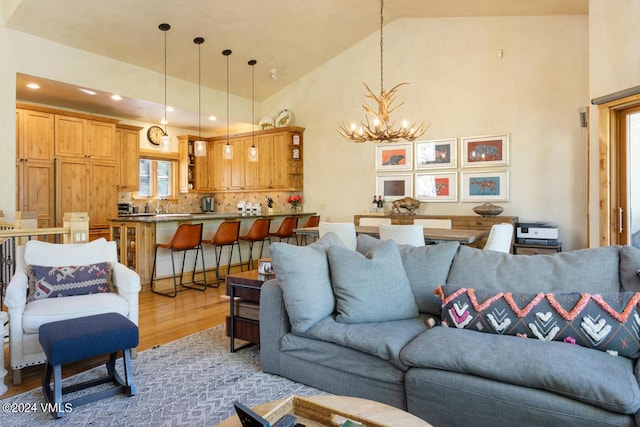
{"points": [[426, 267], [47, 310], [608, 322], [384, 340], [584, 270], [630, 268], [303, 275], [372, 288], [64, 281], [579, 373]]}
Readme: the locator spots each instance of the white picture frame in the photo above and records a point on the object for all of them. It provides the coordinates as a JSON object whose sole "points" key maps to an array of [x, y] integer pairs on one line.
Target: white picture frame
{"points": [[394, 187], [486, 186], [394, 157], [436, 187], [436, 154], [485, 151]]}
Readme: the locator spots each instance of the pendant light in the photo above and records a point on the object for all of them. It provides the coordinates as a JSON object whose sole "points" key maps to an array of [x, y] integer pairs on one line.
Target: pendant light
{"points": [[165, 140], [200, 146], [253, 151], [227, 152]]}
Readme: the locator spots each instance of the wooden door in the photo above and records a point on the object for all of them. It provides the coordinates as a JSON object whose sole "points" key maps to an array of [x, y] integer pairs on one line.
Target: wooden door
{"points": [[128, 142], [69, 136]]}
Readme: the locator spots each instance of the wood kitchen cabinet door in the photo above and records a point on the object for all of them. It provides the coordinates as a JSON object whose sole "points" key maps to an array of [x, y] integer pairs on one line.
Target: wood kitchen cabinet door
{"points": [[35, 135], [100, 140], [69, 136], [102, 200], [73, 187]]}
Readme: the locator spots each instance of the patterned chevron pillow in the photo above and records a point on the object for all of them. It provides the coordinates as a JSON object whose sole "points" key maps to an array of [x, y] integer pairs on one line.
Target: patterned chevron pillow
{"points": [[53, 282], [608, 322]]}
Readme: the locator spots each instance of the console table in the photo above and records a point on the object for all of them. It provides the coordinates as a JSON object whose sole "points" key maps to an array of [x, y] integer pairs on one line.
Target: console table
{"points": [[244, 295], [470, 222]]}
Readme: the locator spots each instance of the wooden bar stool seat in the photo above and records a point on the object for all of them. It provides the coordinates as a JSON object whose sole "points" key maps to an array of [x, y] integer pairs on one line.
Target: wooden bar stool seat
{"points": [[259, 232], [188, 237], [227, 234]]}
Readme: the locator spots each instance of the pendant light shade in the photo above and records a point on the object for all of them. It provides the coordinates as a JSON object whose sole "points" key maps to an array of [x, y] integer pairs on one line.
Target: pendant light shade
{"points": [[227, 152], [253, 151], [200, 146], [165, 140]]}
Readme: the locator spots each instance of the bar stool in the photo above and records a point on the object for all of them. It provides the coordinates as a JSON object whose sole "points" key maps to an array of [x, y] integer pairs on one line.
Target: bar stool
{"points": [[188, 237], [312, 221], [259, 232], [285, 231], [227, 234]]}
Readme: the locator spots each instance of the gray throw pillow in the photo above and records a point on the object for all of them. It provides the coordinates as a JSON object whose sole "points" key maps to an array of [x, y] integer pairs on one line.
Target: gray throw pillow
{"points": [[303, 275], [630, 268], [371, 288]]}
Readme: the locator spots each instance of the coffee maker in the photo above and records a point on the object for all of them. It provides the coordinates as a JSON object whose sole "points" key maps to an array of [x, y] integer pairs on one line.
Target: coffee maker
{"points": [[207, 204]]}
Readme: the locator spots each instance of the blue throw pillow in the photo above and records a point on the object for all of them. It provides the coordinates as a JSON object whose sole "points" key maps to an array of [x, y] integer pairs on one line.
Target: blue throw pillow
{"points": [[64, 281], [371, 288], [608, 322]]}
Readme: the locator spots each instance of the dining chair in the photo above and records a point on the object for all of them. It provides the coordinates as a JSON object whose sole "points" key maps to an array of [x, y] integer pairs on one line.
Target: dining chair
{"points": [[410, 234], [345, 230], [312, 221], [500, 238], [227, 234], [188, 237]]}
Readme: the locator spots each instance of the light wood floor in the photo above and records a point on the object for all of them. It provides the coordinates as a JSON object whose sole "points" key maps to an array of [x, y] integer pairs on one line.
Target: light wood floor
{"points": [[161, 320]]}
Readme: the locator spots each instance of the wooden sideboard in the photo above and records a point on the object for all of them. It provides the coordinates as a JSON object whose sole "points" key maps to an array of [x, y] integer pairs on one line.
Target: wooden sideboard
{"points": [[474, 222]]}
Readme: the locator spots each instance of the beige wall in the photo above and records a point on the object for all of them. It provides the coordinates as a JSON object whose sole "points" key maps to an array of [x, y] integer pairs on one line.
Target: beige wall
{"points": [[460, 87]]}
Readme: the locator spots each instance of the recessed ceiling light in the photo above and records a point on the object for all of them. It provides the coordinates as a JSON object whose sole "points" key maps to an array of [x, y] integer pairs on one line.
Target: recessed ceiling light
{"points": [[88, 92], [33, 86], [116, 97], [213, 118], [169, 108], [163, 122]]}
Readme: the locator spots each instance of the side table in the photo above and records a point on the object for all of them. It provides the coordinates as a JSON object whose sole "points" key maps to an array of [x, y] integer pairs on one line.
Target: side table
{"points": [[529, 249], [245, 286]]}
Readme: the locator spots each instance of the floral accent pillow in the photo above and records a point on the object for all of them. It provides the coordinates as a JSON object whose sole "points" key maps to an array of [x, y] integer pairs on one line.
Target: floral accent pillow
{"points": [[53, 282], [609, 322]]}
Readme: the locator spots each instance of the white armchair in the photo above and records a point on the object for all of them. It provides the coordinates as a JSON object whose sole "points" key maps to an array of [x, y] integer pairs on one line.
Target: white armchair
{"points": [[25, 318]]}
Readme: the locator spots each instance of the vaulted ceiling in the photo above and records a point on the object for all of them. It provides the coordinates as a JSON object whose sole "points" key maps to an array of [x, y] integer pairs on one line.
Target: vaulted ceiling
{"points": [[291, 37]]}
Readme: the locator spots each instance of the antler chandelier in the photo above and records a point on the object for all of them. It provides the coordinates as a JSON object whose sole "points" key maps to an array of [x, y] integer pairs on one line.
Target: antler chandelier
{"points": [[381, 128]]}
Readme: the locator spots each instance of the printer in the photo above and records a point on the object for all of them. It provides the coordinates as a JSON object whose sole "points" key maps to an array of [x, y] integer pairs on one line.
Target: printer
{"points": [[537, 233]]}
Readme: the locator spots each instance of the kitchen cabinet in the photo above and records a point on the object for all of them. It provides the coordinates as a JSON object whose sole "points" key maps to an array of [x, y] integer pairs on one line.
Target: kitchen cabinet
{"points": [[279, 165], [81, 137], [128, 143], [34, 165]]}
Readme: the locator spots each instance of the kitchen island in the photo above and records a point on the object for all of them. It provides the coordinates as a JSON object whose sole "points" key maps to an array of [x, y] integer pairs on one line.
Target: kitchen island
{"points": [[136, 236]]}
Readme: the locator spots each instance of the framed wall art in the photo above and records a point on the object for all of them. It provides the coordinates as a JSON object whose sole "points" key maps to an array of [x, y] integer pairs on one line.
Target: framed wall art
{"points": [[394, 157], [437, 187], [394, 187], [485, 151], [436, 154], [490, 186]]}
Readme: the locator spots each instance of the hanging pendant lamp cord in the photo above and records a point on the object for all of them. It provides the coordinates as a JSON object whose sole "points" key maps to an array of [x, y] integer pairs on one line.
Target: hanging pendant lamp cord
{"points": [[381, 48], [199, 94], [165, 82], [227, 99]]}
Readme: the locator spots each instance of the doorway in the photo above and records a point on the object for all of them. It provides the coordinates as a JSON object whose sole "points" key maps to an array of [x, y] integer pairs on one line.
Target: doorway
{"points": [[619, 127]]}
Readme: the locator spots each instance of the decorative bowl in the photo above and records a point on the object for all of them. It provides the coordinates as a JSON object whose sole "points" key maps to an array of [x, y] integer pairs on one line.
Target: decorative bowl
{"points": [[488, 209]]}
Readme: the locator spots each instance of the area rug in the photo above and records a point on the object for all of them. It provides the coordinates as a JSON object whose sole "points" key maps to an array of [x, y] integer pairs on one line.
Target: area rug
{"points": [[190, 382]]}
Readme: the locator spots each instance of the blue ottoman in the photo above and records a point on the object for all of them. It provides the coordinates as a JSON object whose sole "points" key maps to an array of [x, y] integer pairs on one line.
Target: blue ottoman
{"points": [[81, 338]]}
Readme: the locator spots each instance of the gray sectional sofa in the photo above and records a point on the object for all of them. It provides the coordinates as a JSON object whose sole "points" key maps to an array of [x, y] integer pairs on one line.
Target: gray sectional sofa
{"points": [[515, 351], [531, 340]]}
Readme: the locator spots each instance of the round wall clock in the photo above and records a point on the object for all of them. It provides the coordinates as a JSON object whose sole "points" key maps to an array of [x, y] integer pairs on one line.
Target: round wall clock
{"points": [[154, 134]]}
